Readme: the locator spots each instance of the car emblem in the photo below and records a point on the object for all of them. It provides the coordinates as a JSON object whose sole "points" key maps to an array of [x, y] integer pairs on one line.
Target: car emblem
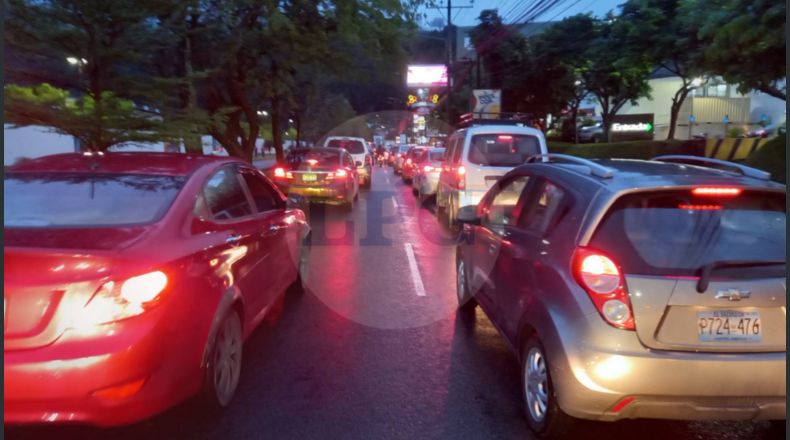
{"points": [[733, 294]]}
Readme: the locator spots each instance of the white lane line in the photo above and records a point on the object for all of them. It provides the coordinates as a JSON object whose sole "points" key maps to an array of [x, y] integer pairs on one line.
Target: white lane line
{"points": [[395, 202], [415, 271]]}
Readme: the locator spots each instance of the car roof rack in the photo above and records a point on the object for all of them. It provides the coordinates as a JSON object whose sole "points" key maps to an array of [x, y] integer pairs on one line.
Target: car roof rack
{"points": [[482, 118], [707, 161], [596, 169]]}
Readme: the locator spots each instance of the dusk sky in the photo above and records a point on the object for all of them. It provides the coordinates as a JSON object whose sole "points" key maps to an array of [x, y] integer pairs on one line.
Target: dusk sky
{"points": [[510, 9]]}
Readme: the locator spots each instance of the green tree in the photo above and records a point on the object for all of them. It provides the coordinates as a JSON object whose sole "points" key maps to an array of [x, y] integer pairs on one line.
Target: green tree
{"points": [[614, 72], [667, 36], [745, 42]]}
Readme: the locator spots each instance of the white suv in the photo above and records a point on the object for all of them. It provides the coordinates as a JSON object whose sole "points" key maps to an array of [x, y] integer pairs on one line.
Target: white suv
{"points": [[358, 149], [476, 157]]}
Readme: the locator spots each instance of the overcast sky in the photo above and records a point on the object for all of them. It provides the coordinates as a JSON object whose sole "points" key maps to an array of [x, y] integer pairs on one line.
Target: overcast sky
{"points": [[510, 9]]}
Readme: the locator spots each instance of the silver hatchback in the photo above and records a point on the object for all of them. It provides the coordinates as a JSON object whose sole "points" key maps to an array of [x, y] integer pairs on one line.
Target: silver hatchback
{"points": [[634, 289]]}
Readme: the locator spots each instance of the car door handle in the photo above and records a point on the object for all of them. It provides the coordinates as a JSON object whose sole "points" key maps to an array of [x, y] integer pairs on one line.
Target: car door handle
{"points": [[272, 229], [235, 238]]}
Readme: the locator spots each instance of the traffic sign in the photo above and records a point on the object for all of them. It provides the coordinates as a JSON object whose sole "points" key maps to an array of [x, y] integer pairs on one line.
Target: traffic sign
{"points": [[692, 119]]}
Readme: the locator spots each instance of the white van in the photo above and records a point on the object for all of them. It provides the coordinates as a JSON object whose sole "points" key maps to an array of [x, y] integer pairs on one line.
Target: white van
{"points": [[476, 157]]}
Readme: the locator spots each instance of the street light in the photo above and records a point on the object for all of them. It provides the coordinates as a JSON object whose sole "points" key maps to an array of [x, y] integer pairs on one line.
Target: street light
{"points": [[76, 61], [263, 113]]}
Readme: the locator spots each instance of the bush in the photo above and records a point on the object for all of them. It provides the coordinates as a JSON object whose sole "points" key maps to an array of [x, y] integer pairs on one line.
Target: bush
{"points": [[772, 158], [628, 150], [735, 132]]}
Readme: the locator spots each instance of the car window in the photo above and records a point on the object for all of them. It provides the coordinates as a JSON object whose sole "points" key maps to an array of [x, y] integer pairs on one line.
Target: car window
{"points": [[458, 147], [320, 157], [350, 145], [502, 150], [436, 156], [263, 195], [225, 197], [674, 232], [86, 199], [541, 207], [502, 208]]}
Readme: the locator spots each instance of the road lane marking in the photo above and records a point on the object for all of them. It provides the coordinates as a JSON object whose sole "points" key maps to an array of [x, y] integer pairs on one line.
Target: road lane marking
{"points": [[415, 271], [395, 202]]}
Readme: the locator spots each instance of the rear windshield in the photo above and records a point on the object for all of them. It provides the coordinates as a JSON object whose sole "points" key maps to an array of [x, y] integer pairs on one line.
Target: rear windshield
{"points": [[502, 150], [437, 156], [323, 158], [676, 233], [419, 155], [403, 148], [350, 145], [82, 199]]}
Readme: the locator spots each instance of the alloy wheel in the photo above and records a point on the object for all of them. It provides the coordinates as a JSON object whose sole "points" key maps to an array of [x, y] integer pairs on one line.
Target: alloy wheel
{"points": [[536, 382], [227, 359]]}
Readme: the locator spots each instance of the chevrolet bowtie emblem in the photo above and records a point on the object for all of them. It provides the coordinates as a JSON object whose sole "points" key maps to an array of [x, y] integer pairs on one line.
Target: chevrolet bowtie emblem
{"points": [[733, 294]]}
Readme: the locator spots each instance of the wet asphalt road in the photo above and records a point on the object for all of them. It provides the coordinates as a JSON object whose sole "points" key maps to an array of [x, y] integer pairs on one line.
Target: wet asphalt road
{"points": [[366, 353]]}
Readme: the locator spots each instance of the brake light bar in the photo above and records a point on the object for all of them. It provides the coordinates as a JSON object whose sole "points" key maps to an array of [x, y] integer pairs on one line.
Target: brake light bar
{"points": [[716, 191], [700, 207], [312, 162], [505, 137]]}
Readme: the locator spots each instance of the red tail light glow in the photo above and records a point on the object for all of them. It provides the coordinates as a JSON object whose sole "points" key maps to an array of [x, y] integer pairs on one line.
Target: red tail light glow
{"points": [[461, 170], [604, 282], [716, 191], [279, 172], [116, 301], [339, 174], [700, 207], [505, 137], [120, 391], [408, 161], [427, 168], [312, 162]]}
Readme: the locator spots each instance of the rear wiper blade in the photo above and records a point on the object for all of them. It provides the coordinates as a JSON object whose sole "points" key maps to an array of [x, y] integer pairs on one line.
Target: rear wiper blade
{"points": [[706, 270]]}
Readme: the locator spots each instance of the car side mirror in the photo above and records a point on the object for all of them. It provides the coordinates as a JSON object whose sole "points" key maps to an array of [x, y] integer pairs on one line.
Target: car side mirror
{"points": [[468, 215]]}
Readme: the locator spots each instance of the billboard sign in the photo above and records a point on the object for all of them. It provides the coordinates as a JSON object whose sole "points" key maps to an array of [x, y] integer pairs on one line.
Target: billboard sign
{"points": [[486, 103], [633, 127], [426, 75]]}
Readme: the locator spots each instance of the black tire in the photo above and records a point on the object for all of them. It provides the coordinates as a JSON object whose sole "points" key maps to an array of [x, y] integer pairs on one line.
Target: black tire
{"points": [[298, 286], [224, 355], [449, 213], [466, 299], [551, 421], [367, 183]]}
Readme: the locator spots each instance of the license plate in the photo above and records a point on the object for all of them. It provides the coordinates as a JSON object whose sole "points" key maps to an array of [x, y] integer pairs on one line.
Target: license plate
{"points": [[309, 177], [729, 326]]}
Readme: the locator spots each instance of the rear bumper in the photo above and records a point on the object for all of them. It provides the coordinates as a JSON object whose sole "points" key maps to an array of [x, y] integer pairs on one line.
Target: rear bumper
{"points": [[328, 194], [620, 379], [59, 383], [428, 184]]}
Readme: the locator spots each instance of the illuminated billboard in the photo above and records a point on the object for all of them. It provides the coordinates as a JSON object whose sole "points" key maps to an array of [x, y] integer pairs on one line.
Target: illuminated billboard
{"points": [[426, 75]]}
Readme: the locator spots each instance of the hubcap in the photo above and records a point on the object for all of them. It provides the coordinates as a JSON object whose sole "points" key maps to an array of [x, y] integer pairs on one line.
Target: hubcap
{"points": [[461, 282], [227, 360], [537, 385]]}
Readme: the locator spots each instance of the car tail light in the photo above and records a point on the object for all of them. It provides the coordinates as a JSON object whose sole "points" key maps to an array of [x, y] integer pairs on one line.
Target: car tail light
{"points": [[279, 172], [408, 161], [604, 282], [716, 191], [461, 172], [121, 391], [427, 168], [312, 162], [115, 301], [340, 174], [505, 137]]}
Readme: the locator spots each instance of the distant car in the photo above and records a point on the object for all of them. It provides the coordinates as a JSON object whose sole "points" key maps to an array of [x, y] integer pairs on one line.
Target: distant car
{"points": [[590, 133], [476, 158], [634, 289], [400, 158], [322, 175], [131, 281], [393, 155], [768, 130], [413, 156], [363, 157], [426, 174]]}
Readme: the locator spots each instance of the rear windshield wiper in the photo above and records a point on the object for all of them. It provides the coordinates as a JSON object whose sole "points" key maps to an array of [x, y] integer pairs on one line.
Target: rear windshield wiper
{"points": [[706, 270]]}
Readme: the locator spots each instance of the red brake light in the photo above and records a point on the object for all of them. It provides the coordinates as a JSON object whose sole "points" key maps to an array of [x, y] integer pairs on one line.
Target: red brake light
{"points": [[312, 162], [427, 168], [408, 161], [116, 301], [700, 207], [604, 282], [461, 170], [716, 191], [279, 172], [341, 173], [505, 137]]}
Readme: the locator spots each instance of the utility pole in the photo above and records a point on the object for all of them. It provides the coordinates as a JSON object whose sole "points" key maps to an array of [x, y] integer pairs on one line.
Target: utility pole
{"points": [[450, 55]]}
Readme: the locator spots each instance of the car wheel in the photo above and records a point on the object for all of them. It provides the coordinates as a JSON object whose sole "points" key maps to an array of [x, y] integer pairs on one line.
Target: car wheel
{"points": [[466, 300], [224, 364], [544, 416], [596, 139], [450, 214], [298, 286]]}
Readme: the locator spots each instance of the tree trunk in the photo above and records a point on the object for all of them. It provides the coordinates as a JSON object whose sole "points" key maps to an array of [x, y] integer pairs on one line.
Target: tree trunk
{"points": [[277, 131], [677, 102], [298, 120], [192, 141], [574, 115]]}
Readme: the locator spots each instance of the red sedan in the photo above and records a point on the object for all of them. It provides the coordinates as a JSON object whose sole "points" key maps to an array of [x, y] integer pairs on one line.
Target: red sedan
{"points": [[132, 280]]}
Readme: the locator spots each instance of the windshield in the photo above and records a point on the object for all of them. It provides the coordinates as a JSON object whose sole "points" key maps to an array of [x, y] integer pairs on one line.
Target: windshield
{"points": [[502, 150], [86, 199], [297, 159], [437, 156], [352, 146], [674, 233]]}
